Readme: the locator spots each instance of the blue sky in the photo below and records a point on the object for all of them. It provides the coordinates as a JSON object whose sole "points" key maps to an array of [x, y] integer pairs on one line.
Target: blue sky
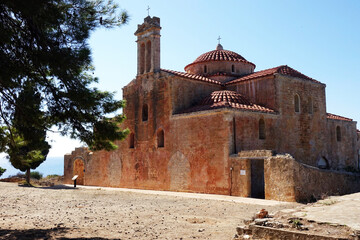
{"points": [[319, 38]]}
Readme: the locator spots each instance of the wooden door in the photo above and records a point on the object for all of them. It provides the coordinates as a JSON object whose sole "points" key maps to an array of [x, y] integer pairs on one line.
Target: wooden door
{"points": [[79, 170]]}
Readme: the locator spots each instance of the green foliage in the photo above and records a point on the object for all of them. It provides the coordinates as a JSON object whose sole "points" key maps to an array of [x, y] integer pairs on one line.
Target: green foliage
{"points": [[52, 176], [296, 223], [36, 175], [19, 175], [48, 76], [2, 170]]}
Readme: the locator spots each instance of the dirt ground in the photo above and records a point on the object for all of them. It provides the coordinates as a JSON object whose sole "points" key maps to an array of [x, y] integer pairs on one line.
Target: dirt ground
{"points": [[68, 213]]}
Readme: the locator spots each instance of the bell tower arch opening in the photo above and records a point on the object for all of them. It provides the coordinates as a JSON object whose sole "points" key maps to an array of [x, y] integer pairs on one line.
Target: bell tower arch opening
{"points": [[148, 56], [142, 59]]}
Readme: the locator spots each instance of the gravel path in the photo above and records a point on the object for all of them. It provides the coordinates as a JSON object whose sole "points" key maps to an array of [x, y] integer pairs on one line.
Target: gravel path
{"points": [[67, 213]]}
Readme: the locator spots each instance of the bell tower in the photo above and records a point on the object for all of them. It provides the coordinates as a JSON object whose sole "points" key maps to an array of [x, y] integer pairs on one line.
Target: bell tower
{"points": [[148, 45]]}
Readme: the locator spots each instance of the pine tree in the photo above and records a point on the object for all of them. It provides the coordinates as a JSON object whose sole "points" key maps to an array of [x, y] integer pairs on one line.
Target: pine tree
{"points": [[45, 77]]}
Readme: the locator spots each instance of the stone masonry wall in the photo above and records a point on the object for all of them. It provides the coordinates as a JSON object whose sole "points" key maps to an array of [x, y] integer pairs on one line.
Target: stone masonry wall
{"points": [[301, 134], [247, 131], [279, 178], [289, 180], [341, 154], [203, 139], [187, 165], [81, 153], [307, 135], [260, 91], [196, 148], [186, 93]]}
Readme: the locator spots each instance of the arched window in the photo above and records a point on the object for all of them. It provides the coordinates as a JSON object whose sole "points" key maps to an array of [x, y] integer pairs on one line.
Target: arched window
{"points": [[338, 134], [148, 56], [131, 140], [323, 163], [160, 139], [205, 69], [233, 68], [297, 103], [261, 129], [142, 58], [145, 112], [310, 105]]}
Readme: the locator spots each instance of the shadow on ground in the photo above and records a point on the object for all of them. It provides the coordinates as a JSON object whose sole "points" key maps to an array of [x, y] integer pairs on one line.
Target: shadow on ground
{"points": [[31, 233], [52, 233], [56, 187]]}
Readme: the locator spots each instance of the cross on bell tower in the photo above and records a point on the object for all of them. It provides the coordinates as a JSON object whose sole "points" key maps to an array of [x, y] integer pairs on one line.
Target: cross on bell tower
{"points": [[148, 8]]}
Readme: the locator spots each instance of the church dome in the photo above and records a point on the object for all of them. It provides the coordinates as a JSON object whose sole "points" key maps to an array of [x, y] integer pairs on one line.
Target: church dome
{"points": [[219, 55], [220, 64]]}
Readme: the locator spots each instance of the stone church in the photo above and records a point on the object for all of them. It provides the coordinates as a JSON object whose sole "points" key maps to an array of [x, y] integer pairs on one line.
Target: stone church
{"points": [[221, 127]]}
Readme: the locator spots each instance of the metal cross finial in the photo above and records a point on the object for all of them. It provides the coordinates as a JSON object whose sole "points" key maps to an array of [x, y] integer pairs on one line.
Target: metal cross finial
{"points": [[219, 38], [148, 8]]}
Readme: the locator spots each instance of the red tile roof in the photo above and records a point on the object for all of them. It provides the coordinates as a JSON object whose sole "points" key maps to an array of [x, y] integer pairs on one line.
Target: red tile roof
{"points": [[192, 76], [227, 99], [337, 117], [220, 55], [284, 70]]}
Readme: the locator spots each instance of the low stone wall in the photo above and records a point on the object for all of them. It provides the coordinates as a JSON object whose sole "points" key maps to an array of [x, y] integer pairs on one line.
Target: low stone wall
{"points": [[255, 153], [279, 178], [312, 182], [289, 180], [268, 233]]}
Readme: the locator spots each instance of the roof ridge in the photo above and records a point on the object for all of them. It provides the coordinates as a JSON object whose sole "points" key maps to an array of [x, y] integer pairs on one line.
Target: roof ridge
{"points": [[192, 76], [301, 75], [282, 69], [338, 117]]}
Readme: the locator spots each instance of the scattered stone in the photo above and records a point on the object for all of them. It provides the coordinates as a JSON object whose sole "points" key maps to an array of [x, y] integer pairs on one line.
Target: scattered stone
{"points": [[248, 221], [262, 214], [260, 222]]}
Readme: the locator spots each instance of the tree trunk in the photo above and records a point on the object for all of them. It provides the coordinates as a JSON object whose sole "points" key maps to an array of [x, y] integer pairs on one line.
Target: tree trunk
{"points": [[28, 176]]}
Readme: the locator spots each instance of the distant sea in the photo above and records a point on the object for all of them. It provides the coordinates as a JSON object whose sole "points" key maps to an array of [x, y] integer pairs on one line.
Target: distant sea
{"points": [[52, 165]]}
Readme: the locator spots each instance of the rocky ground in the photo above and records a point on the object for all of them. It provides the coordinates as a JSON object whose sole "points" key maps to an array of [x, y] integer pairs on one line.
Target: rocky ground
{"points": [[334, 217], [61, 212]]}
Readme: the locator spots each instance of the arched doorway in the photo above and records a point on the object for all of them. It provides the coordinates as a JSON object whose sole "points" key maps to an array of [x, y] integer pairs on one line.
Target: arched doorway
{"points": [[79, 169]]}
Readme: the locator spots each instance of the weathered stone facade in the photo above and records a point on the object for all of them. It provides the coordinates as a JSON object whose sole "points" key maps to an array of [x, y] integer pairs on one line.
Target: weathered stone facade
{"points": [[203, 130]]}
